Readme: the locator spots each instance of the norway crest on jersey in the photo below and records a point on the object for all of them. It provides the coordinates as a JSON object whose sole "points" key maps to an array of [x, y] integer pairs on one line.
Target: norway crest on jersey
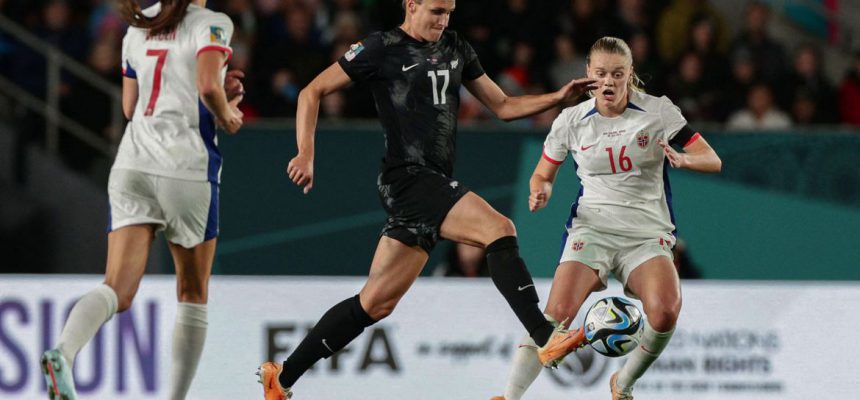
{"points": [[642, 139]]}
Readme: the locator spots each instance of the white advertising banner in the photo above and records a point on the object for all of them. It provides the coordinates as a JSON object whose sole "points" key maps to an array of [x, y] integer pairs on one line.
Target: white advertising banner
{"points": [[448, 339]]}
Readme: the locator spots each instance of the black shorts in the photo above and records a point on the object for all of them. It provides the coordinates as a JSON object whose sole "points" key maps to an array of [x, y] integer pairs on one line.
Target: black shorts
{"points": [[417, 200]]}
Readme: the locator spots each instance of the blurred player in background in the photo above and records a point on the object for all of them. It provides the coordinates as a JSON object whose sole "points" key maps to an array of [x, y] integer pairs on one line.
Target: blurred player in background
{"points": [[165, 178], [415, 72], [622, 222]]}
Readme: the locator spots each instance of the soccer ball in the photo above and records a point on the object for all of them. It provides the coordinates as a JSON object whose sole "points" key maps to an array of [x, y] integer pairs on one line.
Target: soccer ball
{"points": [[613, 326]]}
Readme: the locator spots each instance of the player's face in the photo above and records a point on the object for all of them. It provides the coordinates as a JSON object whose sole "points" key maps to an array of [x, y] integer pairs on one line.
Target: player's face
{"points": [[612, 72], [431, 17]]}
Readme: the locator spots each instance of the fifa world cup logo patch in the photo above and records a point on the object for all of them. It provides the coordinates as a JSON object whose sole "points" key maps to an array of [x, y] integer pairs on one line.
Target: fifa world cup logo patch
{"points": [[217, 35], [577, 246], [642, 139]]}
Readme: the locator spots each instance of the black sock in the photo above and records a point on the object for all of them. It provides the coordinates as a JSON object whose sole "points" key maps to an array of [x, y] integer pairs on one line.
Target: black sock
{"points": [[513, 280], [337, 327]]}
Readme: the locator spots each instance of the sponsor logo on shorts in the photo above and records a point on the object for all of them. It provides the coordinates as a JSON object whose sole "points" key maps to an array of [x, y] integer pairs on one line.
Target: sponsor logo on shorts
{"points": [[577, 246]]}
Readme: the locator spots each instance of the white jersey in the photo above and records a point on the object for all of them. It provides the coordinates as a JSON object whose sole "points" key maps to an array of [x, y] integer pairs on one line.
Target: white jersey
{"points": [[625, 186], [171, 132]]}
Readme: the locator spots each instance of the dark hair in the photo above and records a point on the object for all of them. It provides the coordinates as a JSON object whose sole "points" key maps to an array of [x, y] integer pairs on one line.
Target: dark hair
{"points": [[171, 14]]}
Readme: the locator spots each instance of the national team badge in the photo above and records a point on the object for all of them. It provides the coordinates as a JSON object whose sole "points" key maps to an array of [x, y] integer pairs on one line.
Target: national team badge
{"points": [[217, 35], [642, 139], [353, 51], [577, 246]]}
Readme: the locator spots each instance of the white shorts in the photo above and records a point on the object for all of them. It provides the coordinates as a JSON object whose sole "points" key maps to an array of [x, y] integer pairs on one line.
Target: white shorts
{"points": [[608, 253], [187, 211]]}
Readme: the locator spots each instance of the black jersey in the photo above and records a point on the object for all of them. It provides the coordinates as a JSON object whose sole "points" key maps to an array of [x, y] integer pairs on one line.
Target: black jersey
{"points": [[416, 86]]}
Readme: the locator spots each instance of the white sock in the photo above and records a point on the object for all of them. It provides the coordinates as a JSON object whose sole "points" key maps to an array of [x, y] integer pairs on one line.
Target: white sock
{"points": [[525, 369], [640, 359], [87, 316], [189, 335]]}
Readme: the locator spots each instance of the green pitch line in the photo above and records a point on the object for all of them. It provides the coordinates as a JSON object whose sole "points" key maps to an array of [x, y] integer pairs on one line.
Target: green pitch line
{"points": [[330, 226]]}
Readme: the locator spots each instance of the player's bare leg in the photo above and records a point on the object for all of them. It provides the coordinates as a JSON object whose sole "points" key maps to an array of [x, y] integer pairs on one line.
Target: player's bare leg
{"points": [[193, 269], [128, 250], [394, 269], [657, 284]]}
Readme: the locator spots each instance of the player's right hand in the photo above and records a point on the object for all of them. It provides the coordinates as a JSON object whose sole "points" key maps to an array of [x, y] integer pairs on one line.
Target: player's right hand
{"points": [[537, 200], [233, 120], [301, 172]]}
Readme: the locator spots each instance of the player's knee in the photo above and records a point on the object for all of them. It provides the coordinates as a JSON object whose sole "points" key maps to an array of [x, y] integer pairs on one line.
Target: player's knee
{"points": [[192, 292], [502, 227], [663, 312], [381, 310]]}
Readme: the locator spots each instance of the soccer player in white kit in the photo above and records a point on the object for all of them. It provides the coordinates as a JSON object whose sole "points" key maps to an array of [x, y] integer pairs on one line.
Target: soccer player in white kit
{"points": [[165, 178], [621, 223]]}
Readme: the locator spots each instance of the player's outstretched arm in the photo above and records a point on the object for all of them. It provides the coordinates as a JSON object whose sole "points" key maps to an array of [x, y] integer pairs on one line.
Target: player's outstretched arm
{"points": [[211, 88], [301, 167], [540, 184], [697, 156], [512, 107]]}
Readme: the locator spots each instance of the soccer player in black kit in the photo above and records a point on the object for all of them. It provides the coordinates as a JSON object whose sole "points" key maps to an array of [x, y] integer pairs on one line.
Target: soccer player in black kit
{"points": [[415, 72]]}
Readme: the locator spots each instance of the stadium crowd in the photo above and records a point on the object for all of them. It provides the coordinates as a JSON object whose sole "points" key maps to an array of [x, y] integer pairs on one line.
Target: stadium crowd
{"points": [[682, 48]]}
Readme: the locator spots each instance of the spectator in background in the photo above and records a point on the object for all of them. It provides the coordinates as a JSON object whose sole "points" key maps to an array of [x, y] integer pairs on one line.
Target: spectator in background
{"points": [[646, 63], [568, 64], [761, 113], [675, 24], [703, 42], [586, 22], [692, 93], [104, 24], [744, 76], [91, 107], [767, 54], [849, 94], [634, 17], [804, 109], [333, 107], [463, 261], [294, 61], [241, 61], [683, 262], [244, 17], [517, 77], [806, 83], [347, 28], [520, 21]]}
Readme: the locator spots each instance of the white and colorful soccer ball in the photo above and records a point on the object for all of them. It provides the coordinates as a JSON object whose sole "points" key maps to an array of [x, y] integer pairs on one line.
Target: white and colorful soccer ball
{"points": [[613, 326]]}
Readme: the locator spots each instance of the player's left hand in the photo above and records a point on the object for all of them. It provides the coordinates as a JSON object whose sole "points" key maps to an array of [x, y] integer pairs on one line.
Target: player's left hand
{"points": [[676, 160], [233, 84], [576, 88]]}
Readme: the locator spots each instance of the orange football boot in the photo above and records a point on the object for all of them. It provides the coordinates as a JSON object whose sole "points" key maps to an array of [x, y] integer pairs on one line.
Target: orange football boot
{"points": [[272, 390]]}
